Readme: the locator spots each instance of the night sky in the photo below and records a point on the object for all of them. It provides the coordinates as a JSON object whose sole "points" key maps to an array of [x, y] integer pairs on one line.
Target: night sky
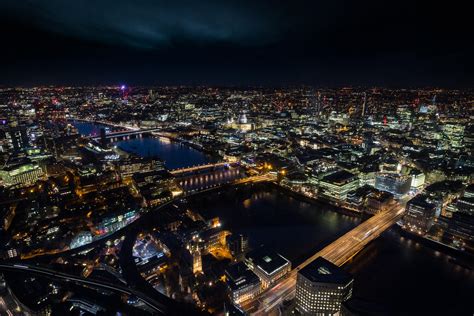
{"points": [[324, 43]]}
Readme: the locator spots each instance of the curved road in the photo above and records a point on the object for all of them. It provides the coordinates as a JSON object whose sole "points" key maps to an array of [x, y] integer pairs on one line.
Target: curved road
{"points": [[162, 308]]}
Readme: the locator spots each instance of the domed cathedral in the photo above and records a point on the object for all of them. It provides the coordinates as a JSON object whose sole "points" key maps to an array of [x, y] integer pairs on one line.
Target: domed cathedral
{"points": [[242, 123], [242, 118]]}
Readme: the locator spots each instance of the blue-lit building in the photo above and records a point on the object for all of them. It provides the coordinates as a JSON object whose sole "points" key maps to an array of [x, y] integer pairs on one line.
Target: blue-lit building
{"points": [[394, 183]]}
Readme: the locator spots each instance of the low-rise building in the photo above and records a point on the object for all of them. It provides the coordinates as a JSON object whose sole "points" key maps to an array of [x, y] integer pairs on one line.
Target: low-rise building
{"points": [[420, 214], [337, 184], [22, 174], [394, 183], [268, 265], [243, 284], [379, 201]]}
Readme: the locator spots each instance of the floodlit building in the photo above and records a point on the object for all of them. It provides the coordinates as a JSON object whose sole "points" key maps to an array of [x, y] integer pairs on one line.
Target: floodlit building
{"points": [[337, 184], [197, 258], [394, 183], [21, 174], [417, 179], [321, 287]]}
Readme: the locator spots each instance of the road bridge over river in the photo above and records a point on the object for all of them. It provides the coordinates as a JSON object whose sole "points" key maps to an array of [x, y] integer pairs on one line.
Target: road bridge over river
{"points": [[338, 252]]}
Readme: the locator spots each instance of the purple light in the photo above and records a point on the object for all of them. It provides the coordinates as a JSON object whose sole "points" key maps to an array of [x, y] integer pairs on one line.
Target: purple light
{"points": [[122, 87]]}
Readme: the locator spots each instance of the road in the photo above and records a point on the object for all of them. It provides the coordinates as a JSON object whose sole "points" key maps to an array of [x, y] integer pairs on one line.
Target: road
{"points": [[128, 132], [255, 179], [157, 307], [338, 252], [122, 231]]}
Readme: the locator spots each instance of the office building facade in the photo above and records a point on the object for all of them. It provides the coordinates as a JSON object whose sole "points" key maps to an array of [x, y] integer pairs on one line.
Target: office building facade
{"points": [[321, 287]]}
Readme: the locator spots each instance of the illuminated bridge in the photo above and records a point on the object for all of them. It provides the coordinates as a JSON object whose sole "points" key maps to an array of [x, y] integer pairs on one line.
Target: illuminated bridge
{"points": [[127, 134], [103, 122], [206, 178], [180, 171], [338, 252], [201, 177]]}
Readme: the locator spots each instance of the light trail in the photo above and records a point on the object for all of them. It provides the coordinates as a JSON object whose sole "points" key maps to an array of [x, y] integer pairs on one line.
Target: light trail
{"points": [[338, 252], [199, 167]]}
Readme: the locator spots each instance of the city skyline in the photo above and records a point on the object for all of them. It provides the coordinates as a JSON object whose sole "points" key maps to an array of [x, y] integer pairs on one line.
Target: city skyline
{"points": [[250, 201], [236, 158]]}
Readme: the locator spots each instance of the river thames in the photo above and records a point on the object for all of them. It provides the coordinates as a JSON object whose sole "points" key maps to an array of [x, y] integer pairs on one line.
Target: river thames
{"points": [[393, 272], [174, 154]]}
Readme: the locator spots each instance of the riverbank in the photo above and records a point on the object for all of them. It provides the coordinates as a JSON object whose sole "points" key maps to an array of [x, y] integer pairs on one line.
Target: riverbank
{"points": [[459, 257], [438, 246], [155, 135], [337, 208], [270, 216]]}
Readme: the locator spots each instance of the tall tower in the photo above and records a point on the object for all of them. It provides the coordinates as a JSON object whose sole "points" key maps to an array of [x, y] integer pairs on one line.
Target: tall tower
{"points": [[317, 103], [197, 259], [103, 137], [364, 105]]}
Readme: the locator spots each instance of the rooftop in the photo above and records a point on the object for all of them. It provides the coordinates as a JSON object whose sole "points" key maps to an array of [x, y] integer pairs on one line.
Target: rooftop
{"points": [[240, 276], [267, 260], [323, 271], [422, 201], [340, 177]]}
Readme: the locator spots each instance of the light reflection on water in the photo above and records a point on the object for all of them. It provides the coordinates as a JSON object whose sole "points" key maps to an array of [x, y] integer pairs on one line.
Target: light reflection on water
{"points": [[393, 271], [174, 154], [294, 228], [396, 272], [403, 270]]}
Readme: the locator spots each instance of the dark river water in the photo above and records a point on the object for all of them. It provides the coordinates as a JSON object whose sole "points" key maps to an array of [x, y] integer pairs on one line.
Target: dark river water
{"points": [[394, 272], [174, 154], [270, 217]]}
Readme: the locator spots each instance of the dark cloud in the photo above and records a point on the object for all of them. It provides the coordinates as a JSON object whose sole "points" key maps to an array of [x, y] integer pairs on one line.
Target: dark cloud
{"points": [[276, 42], [152, 24]]}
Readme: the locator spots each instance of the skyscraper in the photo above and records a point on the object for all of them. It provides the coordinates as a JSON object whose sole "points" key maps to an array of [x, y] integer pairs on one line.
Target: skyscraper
{"points": [[17, 137], [364, 104], [103, 137]]}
